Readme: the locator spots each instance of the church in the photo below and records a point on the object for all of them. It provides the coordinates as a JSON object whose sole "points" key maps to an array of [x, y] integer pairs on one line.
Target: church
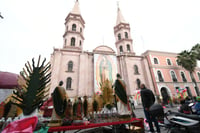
{"points": [[83, 72]]}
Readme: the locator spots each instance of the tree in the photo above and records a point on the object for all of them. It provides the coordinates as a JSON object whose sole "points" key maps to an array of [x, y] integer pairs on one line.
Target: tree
{"points": [[188, 60], [196, 51]]}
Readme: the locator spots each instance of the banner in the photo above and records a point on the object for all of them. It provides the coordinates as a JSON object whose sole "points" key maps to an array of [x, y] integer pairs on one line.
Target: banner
{"points": [[105, 67]]}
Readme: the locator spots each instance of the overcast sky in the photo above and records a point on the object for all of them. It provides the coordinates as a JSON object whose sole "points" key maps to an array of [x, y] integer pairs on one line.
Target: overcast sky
{"points": [[33, 27]]}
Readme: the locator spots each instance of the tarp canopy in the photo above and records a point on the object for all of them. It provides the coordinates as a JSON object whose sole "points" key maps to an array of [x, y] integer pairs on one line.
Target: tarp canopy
{"points": [[8, 80]]}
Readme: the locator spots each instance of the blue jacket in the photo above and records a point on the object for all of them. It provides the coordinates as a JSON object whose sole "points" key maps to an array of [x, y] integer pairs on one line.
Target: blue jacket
{"points": [[197, 107]]}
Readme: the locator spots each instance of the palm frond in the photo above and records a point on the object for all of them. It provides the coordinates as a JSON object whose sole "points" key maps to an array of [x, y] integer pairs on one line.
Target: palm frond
{"points": [[35, 82]]}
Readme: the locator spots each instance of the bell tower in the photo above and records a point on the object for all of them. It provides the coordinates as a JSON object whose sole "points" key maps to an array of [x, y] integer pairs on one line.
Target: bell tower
{"points": [[73, 37], [122, 36]]}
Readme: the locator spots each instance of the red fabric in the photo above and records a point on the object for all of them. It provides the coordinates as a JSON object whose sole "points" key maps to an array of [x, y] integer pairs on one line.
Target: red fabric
{"points": [[47, 103], [134, 121], [47, 111], [26, 125], [8, 80], [2, 106]]}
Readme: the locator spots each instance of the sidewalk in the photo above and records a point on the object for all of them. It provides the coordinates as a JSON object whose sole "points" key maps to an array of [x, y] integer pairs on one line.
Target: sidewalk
{"points": [[167, 106], [140, 113]]}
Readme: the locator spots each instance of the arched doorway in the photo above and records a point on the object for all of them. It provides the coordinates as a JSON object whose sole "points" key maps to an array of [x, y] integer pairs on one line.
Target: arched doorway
{"points": [[165, 95]]}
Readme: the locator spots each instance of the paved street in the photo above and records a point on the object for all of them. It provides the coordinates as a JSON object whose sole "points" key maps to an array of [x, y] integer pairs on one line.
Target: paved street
{"points": [[140, 114]]}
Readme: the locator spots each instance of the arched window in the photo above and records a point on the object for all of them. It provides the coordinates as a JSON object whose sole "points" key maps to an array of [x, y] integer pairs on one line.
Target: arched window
{"points": [[119, 36], [169, 62], [80, 29], [128, 47], [73, 41], [121, 49], [69, 83], [173, 75], [183, 77], [160, 78], [70, 66], [80, 43], [138, 82], [126, 35], [155, 60], [136, 69], [74, 27], [198, 74]]}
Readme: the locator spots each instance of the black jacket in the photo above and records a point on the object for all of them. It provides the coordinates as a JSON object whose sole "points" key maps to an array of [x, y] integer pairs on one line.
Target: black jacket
{"points": [[147, 97]]}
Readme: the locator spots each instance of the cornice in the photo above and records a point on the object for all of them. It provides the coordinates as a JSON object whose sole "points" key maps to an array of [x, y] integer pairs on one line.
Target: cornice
{"points": [[123, 39], [74, 32]]}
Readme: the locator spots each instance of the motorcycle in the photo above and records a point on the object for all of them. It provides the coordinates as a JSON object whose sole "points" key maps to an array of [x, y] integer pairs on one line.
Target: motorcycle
{"points": [[178, 122], [175, 122]]}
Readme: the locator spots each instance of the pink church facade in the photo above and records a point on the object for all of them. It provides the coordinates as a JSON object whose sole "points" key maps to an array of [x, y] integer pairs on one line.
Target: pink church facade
{"points": [[82, 72]]}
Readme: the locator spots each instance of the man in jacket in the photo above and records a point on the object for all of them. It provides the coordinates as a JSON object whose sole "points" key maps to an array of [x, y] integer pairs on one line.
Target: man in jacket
{"points": [[148, 99]]}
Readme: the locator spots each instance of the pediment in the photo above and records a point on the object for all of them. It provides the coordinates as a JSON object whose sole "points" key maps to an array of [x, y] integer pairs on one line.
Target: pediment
{"points": [[103, 49]]}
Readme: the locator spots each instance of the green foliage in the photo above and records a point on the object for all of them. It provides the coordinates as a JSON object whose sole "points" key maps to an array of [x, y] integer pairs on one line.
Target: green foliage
{"points": [[196, 51], [187, 60], [35, 88]]}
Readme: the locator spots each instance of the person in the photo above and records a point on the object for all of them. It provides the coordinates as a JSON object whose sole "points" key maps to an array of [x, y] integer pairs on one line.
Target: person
{"points": [[194, 99], [132, 105], [59, 96], [148, 99], [165, 97], [197, 105], [188, 100], [184, 108], [121, 96]]}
